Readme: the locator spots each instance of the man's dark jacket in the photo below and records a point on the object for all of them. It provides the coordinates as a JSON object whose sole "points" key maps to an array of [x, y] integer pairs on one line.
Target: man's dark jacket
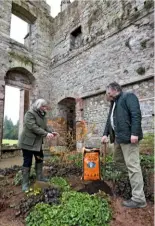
{"points": [[127, 119]]}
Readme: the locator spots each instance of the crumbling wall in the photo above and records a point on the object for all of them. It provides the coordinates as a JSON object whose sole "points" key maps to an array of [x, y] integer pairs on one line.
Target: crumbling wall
{"points": [[115, 44], [31, 59], [76, 54], [96, 110]]}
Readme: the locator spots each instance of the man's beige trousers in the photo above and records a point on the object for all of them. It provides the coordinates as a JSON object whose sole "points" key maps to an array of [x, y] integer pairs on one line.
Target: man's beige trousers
{"points": [[127, 155]]}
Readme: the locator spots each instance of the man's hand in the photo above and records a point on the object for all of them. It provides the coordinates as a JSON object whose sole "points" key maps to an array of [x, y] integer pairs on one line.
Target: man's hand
{"points": [[104, 139], [134, 139], [49, 136]]}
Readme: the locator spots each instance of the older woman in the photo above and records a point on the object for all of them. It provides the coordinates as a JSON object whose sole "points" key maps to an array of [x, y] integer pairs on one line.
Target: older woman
{"points": [[31, 139]]}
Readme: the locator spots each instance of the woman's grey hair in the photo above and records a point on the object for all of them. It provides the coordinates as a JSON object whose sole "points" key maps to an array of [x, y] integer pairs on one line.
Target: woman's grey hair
{"points": [[38, 103], [115, 86]]}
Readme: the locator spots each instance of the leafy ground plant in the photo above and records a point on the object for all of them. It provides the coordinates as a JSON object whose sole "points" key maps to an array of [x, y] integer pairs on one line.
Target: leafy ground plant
{"points": [[76, 209], [61, 183], [47, 196], [75, 158]]}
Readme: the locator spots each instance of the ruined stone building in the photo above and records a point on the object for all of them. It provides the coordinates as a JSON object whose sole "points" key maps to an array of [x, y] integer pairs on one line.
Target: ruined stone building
{"points": [[69, 60]]}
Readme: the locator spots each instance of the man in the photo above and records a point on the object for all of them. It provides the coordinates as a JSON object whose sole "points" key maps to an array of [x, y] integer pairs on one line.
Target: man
{"points": [[124, 127]]}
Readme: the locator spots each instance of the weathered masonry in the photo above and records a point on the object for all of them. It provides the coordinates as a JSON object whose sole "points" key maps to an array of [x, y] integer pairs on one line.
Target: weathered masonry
{"points": [[70, 59]]}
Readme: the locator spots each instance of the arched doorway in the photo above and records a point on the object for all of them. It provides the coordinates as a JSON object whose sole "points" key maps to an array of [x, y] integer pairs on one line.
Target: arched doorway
{"points": [[22, 79], [67, 111]]}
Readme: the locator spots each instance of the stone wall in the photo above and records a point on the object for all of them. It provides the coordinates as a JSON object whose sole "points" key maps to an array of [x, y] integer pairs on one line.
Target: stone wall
{"points": [[30, 60], [76, 54], [115, 44], [96, 110]]}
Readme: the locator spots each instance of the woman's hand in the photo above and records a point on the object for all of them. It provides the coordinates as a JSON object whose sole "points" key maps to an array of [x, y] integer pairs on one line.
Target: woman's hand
{"points": [[55, 134], [50, 136]]}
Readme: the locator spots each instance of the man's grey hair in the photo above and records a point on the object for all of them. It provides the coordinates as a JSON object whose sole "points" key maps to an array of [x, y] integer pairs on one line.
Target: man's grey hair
{"points": [[115, 86], [38, 103]]}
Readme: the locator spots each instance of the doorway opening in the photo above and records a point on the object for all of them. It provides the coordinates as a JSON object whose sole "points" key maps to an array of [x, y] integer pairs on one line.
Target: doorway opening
{"points": [[15, 106], [68, 112]]}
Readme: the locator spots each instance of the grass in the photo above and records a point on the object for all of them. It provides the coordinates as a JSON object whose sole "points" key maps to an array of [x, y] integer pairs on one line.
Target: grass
{"points": [[9, 142]]}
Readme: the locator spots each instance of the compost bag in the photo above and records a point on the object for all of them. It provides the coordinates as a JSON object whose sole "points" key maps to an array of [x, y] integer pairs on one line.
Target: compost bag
{"points": [[91, 164]]}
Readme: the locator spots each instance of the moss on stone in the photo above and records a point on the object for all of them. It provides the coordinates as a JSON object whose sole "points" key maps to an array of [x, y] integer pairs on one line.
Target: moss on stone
{"points": [[118, 23], [141, 70], [135, 15], [21, 58], [143, 44], [148, 4]]}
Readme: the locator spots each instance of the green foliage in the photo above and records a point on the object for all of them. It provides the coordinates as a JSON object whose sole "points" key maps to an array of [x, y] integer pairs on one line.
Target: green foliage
{"points": [[61, 183], [147, 144], [109, 158], [113, 171], [10, 131], [76, 209], [18, 178], [71, 158], [110, 171], [75, 159], [54, 159], [147, 161]]}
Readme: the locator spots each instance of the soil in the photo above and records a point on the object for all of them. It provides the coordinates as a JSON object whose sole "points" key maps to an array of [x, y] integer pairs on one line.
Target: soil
{"points": [[11, 195], [91, 187]]}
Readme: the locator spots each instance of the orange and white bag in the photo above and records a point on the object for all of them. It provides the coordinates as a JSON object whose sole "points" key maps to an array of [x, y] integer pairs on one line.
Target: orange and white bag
{"points": [[91, 164]]}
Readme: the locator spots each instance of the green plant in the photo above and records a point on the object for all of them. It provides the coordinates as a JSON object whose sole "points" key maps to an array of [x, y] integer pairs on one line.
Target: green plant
{"points": [[54, 159], [147, 144], [76, 209], [109, 158], [110, 171], [61, 183], [46, 196], [75, 158], [18, 178], [147, 161]]}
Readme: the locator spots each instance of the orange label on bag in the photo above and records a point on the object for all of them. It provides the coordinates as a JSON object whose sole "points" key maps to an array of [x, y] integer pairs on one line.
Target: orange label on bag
{"points": [[91, 166]]}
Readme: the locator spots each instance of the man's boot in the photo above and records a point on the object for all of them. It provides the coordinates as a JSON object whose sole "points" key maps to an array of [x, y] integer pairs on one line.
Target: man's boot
{"points": [[25, 179], [39, 172]]}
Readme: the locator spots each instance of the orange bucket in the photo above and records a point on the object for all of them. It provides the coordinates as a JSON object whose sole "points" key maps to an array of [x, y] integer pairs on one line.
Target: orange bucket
{"points": [[91, 164]]}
